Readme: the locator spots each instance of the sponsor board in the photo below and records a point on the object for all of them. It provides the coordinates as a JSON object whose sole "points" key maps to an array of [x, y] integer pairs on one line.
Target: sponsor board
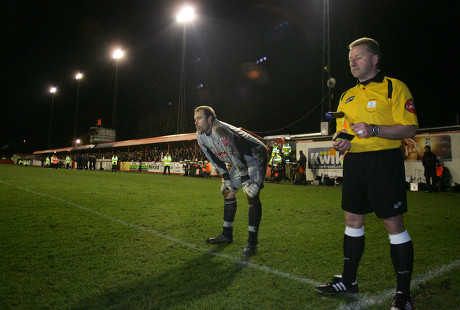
{"points": [[441, 146], [324, 158]]}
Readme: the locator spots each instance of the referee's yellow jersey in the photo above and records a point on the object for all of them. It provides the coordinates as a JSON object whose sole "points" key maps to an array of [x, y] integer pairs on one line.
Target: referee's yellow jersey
{"points": [[379, 101]]}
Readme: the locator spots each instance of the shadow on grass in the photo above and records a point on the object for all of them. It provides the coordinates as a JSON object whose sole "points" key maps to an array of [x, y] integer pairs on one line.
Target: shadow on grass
{"points": [[205, 275]]}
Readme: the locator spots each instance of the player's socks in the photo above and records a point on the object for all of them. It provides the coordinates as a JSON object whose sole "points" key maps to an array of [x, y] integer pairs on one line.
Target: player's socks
{"points": [[353, 248], [229, 216], [255, 215], [402, 256]]}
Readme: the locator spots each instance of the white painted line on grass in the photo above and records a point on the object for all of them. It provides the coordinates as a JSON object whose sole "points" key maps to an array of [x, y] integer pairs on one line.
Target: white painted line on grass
{"points": [[175, 240], [370, 300]]}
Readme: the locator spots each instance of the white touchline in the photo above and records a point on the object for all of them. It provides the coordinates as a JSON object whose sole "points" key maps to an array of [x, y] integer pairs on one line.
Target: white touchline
{"points": [[369, 300], [175, 240]]}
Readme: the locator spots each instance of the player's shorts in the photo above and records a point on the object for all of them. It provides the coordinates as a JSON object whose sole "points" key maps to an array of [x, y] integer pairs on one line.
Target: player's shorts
{"points": [[374, 182], [256, 170]]}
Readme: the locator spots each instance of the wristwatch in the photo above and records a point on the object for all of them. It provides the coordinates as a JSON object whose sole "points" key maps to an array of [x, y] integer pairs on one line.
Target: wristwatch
{"points": [[375, 130]]}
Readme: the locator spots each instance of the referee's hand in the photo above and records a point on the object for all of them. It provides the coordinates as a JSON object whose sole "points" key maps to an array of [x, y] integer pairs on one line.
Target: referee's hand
{"points": [[342, 145], [362, 130]]}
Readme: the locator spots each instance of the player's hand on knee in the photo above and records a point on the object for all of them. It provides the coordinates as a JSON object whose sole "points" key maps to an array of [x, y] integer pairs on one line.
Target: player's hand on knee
{"points": [[250, 188], [226, 185]]}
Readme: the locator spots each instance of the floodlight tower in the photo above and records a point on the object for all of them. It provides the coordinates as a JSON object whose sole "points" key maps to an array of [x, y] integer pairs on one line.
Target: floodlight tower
{"points": [[52, 92], [327, 80], [186, 15], [78, 77], [117, 55]]}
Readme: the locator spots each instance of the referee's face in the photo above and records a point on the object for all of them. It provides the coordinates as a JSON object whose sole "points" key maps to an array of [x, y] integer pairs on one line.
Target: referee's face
{"points": [[363, 64]]}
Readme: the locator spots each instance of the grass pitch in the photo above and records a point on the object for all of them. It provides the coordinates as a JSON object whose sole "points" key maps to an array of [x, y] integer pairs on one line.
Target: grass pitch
{"points": [[94, 240]]}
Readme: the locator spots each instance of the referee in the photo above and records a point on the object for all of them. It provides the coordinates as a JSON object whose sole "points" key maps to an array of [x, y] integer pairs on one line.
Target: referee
{"points": [[380, 112]]}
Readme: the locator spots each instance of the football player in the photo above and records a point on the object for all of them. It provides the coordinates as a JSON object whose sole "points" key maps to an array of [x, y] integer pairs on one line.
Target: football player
{"points": [[247, 160]]}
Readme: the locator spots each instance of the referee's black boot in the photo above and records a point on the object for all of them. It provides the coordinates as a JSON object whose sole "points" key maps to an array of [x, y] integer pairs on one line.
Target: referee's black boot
{"points": [[338, 286]]}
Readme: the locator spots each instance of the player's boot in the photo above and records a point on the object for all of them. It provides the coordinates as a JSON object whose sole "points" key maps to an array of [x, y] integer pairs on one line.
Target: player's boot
{"points": [[402, 302], [338, 286], [249, 251], [220, 239]]}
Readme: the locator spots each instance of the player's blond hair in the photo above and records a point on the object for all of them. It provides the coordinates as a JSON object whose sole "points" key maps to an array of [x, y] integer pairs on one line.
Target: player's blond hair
{"points": [[207, 110]]}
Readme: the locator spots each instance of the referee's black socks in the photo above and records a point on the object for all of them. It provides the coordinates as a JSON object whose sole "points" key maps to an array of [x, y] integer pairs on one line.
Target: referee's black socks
{"points": [[353, 248], [402, 256], [401, 251]]}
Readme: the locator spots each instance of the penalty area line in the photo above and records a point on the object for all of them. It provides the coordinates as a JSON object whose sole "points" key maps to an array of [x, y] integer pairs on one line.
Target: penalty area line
{"points": [[234, 259]]}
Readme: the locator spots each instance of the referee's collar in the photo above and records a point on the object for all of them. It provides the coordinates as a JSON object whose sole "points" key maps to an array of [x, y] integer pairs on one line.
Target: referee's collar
{"points": [[377, 79]]}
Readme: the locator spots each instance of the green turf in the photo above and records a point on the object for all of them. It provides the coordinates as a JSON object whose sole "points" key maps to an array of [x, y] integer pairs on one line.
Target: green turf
{"points": [[93, 239]]}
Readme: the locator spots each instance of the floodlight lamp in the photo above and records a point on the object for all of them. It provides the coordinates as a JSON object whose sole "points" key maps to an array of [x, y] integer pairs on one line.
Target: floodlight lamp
{"points": [[118, 54], [79, 76], [186, 14], [52, 90], [77, 141]]}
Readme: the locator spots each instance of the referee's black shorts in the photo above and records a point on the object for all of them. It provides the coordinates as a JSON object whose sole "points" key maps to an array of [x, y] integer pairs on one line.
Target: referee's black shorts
{"points": [[374, 182]]}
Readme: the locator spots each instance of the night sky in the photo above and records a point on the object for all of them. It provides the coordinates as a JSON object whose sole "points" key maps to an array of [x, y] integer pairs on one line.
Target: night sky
{"points": [[46, 43]]}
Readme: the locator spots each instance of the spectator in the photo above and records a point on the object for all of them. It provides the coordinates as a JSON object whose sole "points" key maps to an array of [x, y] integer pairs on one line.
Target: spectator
{"points": [[429, 163], [167, 164]]}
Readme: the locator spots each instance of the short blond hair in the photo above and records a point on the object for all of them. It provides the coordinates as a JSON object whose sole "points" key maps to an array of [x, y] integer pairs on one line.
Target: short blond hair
{"points": [[372, 46], [207, 110]]}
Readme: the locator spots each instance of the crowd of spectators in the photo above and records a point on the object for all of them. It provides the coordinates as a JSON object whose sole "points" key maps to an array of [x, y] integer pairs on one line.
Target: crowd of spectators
{"points": [[156, 154], [141, 154]]}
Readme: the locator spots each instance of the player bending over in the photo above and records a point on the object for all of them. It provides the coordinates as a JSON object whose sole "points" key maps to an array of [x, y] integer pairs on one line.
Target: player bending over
{"points": [[224, 144]]}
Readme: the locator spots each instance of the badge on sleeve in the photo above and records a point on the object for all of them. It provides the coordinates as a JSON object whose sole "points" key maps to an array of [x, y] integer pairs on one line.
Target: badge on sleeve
{"points": [[410, 107]]}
